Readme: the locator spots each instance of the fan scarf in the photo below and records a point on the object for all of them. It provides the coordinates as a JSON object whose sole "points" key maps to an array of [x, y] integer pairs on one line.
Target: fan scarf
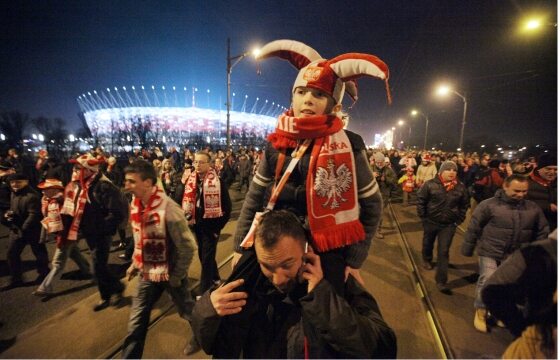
{"points": [[449, 185], [332, 192], [211, 192], [150, 236], [538, 179], [75, 198], [50, 208]]}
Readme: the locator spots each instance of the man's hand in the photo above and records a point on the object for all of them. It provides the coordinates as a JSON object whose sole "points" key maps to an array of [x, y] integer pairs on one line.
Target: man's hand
{"points": [[131, 272], [226, 302], [235, 259], [355, 273], [311, 269], [553, 207]]}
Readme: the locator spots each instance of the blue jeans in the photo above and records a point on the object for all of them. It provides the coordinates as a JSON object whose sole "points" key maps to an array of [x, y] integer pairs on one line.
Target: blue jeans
{"points": [[148, 294], [70, 249], [444, 235], [486, 267]]}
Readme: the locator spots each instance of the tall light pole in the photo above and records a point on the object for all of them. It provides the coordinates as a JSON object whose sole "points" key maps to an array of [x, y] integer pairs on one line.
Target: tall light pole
{"points": [[415, 113], [231, 62], [444, 90]]}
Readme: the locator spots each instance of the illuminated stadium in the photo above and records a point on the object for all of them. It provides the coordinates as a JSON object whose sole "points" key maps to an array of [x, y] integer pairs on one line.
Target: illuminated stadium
{"points": [[123, 119]]}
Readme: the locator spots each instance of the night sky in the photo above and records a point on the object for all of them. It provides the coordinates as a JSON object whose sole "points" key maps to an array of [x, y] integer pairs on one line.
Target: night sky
{"points": [[52, 52]]}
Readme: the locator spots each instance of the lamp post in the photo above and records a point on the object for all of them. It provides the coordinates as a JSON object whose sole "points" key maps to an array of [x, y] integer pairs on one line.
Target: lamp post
{"points": [[231, 62], [416, 112], [444, 90]]}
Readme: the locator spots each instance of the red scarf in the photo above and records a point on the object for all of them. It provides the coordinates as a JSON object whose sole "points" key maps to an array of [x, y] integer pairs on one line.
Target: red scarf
{"points": [[450, 185], [50, 208], [212, 196], [332, 192], [75, 198], [538, 179], [150, 236]]}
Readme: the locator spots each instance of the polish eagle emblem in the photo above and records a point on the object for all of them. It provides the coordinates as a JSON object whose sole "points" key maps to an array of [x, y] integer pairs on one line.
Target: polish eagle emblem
{"points": [[332, 184], [212, 201]]}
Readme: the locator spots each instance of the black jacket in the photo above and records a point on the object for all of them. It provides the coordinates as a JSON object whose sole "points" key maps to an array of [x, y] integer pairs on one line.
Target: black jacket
{"points": [[529, 277], [501, 224], [103, 212], [440, 206], [274, 326], [26, 207]]}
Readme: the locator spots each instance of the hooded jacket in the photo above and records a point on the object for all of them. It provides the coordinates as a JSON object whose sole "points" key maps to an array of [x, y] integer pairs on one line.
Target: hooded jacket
{"points": [[502, 224]]}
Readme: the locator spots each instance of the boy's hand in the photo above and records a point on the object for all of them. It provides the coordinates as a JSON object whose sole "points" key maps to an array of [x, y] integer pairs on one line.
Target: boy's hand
{"points": [[226, 302], [311, 269], [355, 273]]}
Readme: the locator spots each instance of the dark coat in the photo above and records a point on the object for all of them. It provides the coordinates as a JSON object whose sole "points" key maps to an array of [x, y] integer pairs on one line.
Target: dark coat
{"points": [[440, 206], [543, 196], [104, 211], [26, 207], [274, 326], [501, 225], [529, 276]]}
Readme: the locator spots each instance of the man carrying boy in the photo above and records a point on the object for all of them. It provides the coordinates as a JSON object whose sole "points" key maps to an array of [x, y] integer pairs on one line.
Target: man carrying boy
{"points": [[332, 186]]}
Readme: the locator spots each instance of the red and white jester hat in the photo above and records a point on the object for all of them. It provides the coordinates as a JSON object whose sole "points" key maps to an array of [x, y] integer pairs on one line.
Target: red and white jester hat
{"points": [[332, 76], [88, 161]]}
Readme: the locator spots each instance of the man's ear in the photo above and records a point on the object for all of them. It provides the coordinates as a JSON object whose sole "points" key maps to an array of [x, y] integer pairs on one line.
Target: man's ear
{"points": [[336, 108]]}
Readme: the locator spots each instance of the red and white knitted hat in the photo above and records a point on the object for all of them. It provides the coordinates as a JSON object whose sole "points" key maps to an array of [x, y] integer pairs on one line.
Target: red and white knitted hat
{"points": [[51, 184], [332, 76], [88, 161]]}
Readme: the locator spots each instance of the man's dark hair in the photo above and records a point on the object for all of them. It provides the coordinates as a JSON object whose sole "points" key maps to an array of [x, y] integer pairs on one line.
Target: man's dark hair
{"points": [[205, 153], [142, 168], [276, 224], [517, 177]]}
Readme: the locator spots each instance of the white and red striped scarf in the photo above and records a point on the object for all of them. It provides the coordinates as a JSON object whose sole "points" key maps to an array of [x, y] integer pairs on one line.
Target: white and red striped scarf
{"points": [[212, 196], [50, 208], [332, 192], [150, 236], [75, 198]]}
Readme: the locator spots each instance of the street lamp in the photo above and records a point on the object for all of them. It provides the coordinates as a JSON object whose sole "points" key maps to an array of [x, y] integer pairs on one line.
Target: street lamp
{"points": [[443, 91], [236, 59], [415, 112]]}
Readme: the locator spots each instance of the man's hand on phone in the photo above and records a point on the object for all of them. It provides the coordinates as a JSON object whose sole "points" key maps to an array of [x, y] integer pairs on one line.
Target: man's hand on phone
{"points": [[226, 301], [311, 269]]}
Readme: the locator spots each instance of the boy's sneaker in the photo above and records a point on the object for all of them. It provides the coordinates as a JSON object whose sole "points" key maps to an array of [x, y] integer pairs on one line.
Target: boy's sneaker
{"points": [[480, 316]]}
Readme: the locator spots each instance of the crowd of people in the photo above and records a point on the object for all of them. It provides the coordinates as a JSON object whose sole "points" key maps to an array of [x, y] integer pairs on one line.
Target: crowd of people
{"points": [[313, 204]]}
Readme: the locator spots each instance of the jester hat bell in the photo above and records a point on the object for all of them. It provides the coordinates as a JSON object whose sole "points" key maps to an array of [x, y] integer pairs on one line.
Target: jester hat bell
{"points": [[334, 76]]}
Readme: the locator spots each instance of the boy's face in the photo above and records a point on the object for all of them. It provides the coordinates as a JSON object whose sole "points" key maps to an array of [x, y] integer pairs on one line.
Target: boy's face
{"points": [[310, 102]]}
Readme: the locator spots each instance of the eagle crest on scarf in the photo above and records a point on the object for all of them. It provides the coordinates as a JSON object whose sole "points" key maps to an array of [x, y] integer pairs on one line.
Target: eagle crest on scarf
{"points": [[331, 184]]}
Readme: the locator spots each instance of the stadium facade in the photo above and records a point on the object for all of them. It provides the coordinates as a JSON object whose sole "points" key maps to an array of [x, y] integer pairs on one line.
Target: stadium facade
{"points": [[122, 119]]}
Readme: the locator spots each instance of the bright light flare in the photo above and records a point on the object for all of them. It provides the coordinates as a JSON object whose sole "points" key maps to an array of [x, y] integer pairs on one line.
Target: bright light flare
{"points": [[414, 112], [533, 24], [401, 122], [443, 90]]}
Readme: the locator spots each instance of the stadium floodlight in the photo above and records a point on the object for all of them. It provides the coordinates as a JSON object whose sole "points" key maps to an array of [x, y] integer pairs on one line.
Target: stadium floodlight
{"points": [[116, 89], [153, 87], [142, 87], [108, 90], [124, 88], [133, 87]]}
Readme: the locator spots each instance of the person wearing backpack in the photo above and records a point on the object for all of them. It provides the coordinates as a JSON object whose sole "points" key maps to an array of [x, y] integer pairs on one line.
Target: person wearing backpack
{"points": [[93, 205]]}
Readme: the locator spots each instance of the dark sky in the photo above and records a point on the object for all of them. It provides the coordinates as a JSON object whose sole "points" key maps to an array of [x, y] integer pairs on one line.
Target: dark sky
{"points": [[51, 52]]}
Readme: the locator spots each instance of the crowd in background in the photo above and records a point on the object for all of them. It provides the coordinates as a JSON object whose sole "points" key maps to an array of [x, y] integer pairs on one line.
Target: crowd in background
{"points": [[399, 174]]}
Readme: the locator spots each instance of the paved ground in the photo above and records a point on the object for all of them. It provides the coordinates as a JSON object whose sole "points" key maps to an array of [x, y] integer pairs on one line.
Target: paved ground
{"points": [[66, 327]]}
